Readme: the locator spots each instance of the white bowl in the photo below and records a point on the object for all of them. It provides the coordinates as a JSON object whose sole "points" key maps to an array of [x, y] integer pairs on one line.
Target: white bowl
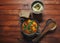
{"points": [[34, 10]]}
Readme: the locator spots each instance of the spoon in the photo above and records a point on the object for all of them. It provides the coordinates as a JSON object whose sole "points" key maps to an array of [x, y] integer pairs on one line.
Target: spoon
{"points": [[50, 26]]}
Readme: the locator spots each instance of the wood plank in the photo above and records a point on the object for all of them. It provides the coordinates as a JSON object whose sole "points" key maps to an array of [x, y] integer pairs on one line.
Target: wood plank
{"points": [[53, 34], [9, 40], [52, 7], [24, 6], [10, 7], [15, 12], [9, 23], [14, 7], [15, 1], [52, 12], [10, 29], [8, 33], [50, 40], [19, 5], [11, 35], [30, 1], [51, 2], [55, 17], [8, 17]]}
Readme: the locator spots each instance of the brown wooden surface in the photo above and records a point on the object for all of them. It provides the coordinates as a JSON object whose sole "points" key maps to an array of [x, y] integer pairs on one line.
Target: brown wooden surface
{"points": [[9, 19]]}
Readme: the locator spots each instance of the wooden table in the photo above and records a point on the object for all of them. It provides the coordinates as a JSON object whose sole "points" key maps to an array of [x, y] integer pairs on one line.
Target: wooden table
{"points": [[9, 19]]}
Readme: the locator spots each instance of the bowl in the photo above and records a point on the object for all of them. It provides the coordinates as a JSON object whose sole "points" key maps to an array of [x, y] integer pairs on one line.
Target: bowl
{"points": [[30, 27], [37, 7]]}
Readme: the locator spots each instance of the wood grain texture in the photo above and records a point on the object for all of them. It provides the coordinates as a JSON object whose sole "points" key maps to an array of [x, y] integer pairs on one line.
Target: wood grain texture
{"points": [[10, 21], [21, 4], [28, 2], [9, 12], [6, 17], [52, 7]]}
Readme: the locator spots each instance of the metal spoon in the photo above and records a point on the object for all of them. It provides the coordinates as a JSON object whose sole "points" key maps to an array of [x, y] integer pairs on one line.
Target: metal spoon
{"points": [[50, 25]]}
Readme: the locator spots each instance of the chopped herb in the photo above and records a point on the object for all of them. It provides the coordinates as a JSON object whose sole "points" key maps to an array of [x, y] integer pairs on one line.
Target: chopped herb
{"points": [[25, 27], [29, 25]]}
